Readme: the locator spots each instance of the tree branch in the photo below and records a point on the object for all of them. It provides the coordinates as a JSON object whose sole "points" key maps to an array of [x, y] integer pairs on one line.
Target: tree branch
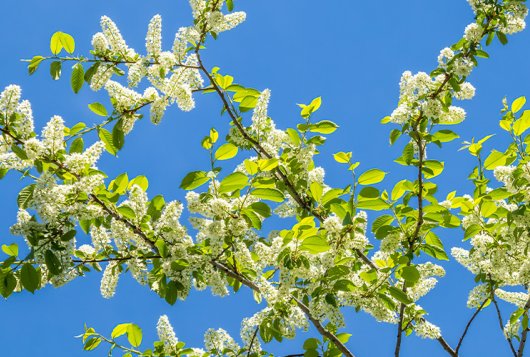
{"points": [[501, 325], [468, 325], [318, 325], [524, 335], [446, 347]]}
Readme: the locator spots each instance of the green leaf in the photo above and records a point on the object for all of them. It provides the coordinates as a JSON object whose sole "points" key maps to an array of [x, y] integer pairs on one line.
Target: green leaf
{"points": [[30, 277], [21, 153], [261, 208], [78, 77], [118, 137], [522, 124], [311, 344], [232, 182], [432, 168], [11, 250], [399, 190], [141, 181], [270, 194], [68, 236], [394, 135], [377, 204], [8, 283], [248, 103], [119, 330], [67, 41], [25, 196], [252, 217], [52, 263], [495, 158], [106, 138], [518, 104], [344, 337], [267, 164], [226, 151], [323, 127], [371, 176], [77, 146], [488, 208], [55, 43], [410, 274], [315, 245], [316, 190], [98, 108], [399, 295], [342, 157], [76, 128], [344, 285], [471, 231], [120, 184], [445, 136], [307, 110], [381, 221], [127, 212], [194, 179], [134, 335], [92, 343], [34, 64], [502, 37], [55, 70]]}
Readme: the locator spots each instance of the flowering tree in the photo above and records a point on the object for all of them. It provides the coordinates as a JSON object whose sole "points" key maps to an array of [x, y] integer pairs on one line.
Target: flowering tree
{"points": [[316, 265]]}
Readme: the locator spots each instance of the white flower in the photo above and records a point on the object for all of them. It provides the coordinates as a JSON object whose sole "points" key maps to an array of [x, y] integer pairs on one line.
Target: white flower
{"points": [[137, 72], [166, 334], [9, 99], [478, 295], [517, 298], [153, 40], [454, 115], [125, 97], [101, 76], [113, 36], [100, 43], [87, 249], [217, 341], [184, 36], [220, 22], [109, 281], [445, 56], [53, 134], [332, 225], [425, 329], [467, 91], [473, 32]]}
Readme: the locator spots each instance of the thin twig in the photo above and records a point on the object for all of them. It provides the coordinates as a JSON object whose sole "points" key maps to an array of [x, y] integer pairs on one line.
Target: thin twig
{"points": [[501, 325], [252, 341], [468, 325]]}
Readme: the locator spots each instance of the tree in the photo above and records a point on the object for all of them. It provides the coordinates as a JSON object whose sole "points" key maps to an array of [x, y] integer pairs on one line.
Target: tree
{"points": [[322, 261]]}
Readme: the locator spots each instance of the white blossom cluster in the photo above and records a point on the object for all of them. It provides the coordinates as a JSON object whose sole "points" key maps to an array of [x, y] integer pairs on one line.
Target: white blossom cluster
{"points": [[219, 342], [416, 95], [515, 13], [420, 93], [173, 75]]}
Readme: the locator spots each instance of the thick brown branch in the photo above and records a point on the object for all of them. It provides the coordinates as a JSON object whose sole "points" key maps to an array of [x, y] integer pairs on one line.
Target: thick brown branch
{"points": [[446, 347]]}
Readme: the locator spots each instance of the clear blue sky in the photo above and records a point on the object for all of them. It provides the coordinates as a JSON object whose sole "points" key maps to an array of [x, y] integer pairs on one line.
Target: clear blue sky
{"points": [[351, 53]]}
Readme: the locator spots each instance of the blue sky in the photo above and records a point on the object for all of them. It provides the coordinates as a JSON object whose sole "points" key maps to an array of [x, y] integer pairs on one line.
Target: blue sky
{"points": [[350, 53]]}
